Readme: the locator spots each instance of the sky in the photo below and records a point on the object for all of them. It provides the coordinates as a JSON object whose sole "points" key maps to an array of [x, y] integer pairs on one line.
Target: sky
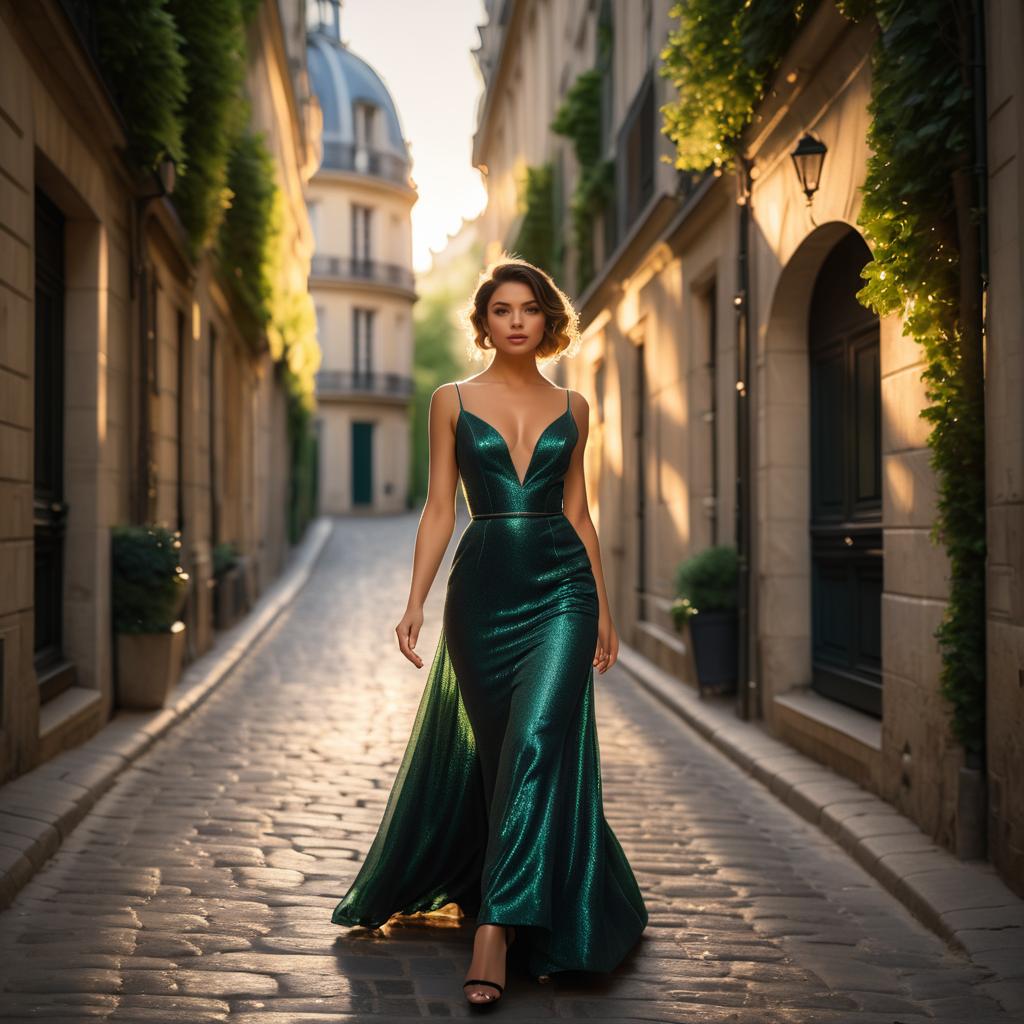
{"points": [[421, 50]]}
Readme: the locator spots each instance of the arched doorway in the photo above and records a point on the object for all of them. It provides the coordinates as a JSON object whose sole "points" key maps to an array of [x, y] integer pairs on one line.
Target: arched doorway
{"points": [[846, 483]]}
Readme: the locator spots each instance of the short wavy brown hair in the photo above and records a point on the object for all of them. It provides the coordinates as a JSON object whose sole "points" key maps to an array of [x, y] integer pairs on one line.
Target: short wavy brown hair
{"points": [[561, 326]]}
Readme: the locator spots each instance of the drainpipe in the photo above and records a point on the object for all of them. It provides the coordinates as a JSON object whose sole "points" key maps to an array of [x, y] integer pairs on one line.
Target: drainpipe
{"points": [[746, 685], [971, 839]]}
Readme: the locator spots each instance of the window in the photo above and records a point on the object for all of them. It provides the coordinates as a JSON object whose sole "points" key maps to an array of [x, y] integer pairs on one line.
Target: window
{"points": [[361, 249], [635, 172], [362, 342], [313, 210], [365, 115]]}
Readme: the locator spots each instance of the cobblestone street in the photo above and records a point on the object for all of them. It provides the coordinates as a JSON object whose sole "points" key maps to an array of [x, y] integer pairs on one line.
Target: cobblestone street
{"points": [[200, 887]]}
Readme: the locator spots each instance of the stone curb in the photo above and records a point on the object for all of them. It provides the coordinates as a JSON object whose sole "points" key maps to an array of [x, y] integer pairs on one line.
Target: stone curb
{"points": [[964, 902], [39, 809]]}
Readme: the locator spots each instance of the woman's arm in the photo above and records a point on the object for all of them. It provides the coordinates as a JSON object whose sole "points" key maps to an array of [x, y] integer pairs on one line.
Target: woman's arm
{"points": [[577, 511], [437, 521]]}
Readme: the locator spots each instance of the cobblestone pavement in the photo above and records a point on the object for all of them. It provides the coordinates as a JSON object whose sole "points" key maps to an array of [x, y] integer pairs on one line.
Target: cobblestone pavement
{"points": [[200, 887]]}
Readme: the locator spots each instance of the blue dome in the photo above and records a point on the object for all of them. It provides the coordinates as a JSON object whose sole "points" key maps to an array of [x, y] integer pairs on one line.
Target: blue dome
{"points": [[340, 79]]}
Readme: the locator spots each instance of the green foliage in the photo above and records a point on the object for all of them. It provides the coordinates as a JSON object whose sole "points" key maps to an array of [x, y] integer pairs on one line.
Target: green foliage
{"points": [[148, 585], [249, 9], [140, 52], [214, 51], [303, 482], [536, 239], [920, 135], [178, 67], [579, 118], [254, 256], [593, 195], [434, 345], [225, 556], [706, 582], [249, 231], [720, 58]]}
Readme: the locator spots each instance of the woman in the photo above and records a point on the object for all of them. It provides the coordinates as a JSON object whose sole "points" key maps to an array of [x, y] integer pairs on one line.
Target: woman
{"points": [[497, 803]]}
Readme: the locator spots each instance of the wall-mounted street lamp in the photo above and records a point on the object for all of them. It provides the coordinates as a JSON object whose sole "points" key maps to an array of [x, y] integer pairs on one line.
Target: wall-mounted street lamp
{"points": [[808, 157], [166, 176]]}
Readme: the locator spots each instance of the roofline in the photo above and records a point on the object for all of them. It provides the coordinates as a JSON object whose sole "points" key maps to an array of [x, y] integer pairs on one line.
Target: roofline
{"points": [[510, 15]]}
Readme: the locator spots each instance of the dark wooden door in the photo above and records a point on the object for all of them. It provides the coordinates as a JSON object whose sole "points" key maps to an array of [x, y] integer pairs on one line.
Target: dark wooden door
{"points": [[362, 463], [49, 507], [846, 484]]}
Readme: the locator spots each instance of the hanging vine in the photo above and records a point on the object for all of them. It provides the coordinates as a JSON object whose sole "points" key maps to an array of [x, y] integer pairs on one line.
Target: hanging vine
{"points": [[536, 239], [176, 68], [247, 232], [140, 50], [720, 58], [214, 50], [919, 216], [579, 118]]}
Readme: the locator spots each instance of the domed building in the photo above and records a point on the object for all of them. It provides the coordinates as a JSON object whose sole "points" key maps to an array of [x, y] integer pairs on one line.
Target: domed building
{"points": [[362, 281]]}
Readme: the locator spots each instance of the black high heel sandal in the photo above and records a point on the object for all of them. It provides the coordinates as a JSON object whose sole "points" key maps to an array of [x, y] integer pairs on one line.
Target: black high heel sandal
{"points": [[510, 934]]}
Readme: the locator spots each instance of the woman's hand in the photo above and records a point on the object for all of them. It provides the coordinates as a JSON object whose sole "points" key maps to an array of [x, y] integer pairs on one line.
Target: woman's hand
{"points": [[607, 645], [408, 631]]}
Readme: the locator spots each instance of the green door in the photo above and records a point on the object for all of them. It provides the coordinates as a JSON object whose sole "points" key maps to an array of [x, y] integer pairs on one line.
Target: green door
{"points": [[846, 484], [362, 463]]}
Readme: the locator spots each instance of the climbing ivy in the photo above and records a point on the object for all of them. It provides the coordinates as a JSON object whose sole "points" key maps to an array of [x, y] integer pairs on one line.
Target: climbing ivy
{"points": [[579, 118], [919, 215], [720, 58], [536, 239], [176, 68], [214, 51], [247, 233], [140, 51]]}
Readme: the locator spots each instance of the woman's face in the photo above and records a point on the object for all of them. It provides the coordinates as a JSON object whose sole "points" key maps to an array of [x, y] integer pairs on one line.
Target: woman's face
{"points": [[515, 321]]}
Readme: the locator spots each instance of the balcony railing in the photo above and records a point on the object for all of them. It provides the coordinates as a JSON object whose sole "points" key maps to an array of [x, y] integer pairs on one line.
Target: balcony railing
{"points": [[346, 268], [359, 383], [347, 156]]}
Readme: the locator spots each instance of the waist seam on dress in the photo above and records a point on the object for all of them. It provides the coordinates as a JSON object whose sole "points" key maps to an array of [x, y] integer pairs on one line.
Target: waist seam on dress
{"points": [[501, 515]]}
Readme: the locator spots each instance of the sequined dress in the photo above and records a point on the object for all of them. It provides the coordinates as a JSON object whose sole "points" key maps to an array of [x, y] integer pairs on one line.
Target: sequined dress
{"points": [[497, 803]]}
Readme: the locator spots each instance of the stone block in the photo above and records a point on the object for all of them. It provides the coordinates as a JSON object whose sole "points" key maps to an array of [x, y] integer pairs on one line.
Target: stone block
{"points": [[908, 489]]}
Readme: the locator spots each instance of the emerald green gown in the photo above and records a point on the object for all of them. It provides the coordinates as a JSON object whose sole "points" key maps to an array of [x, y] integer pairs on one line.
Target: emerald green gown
{"points": [[497, 803]]}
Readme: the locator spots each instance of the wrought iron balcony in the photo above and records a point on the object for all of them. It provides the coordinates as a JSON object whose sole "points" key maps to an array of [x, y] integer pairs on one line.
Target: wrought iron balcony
{"points": [[379, 163], [362, 384], [345, 268]]}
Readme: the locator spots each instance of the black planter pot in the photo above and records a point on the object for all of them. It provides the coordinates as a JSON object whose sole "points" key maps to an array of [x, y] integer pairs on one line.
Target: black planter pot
{"points": [[715, 650]]}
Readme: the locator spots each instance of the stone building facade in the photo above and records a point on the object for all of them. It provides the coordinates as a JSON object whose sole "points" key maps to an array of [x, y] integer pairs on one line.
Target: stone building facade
{"points": [[722, 340], [360, 201], [127, 393]]}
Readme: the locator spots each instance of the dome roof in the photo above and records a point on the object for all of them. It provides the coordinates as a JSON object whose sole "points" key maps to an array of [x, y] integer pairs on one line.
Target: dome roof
{"points": [[340, 79]]}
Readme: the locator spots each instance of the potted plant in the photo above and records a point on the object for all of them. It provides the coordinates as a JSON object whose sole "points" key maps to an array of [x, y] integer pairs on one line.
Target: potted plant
{"points": [[227, 571], [148, 588], [706, 589]]}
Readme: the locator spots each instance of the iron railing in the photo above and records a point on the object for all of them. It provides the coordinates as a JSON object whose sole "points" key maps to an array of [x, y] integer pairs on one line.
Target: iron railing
{"points": [[380, 163], [348, 268], [350, 383]]}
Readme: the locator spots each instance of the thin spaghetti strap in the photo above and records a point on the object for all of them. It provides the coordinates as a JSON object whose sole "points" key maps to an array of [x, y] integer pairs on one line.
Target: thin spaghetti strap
{"points": [[459, 393], [568, 404]]}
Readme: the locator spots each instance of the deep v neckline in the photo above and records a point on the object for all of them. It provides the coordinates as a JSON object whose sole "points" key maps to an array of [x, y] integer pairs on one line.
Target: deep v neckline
{"points": [[463, 411]]}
